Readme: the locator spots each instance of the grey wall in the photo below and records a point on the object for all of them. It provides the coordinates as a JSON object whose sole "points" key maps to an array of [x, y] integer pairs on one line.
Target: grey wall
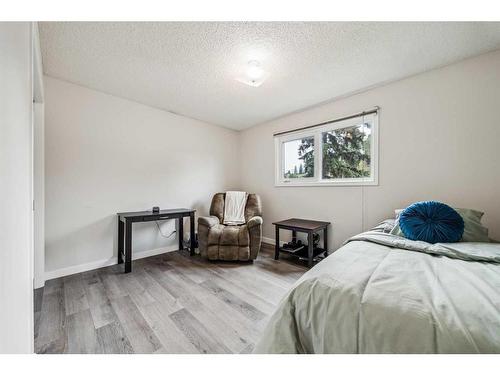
{"points": [[439, 139], [104, 155]]}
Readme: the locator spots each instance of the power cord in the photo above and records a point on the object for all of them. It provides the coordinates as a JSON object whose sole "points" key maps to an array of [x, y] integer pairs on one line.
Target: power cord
{"points": [[162, 234]]}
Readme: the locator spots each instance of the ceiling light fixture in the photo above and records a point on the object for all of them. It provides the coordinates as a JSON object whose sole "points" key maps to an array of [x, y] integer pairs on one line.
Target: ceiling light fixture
{"points": [[254, 75], [254, 70]]}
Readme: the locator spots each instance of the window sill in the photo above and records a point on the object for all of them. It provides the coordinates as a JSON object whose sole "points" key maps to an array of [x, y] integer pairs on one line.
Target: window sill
{"points": [[327, 183]]}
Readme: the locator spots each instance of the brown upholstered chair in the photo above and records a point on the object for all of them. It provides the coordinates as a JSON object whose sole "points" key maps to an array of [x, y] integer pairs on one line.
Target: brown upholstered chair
{"points": [[229, 242]]}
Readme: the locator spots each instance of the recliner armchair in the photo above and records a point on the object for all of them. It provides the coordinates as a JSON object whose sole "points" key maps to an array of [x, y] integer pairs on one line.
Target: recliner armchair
{"points": [[230, 242]]}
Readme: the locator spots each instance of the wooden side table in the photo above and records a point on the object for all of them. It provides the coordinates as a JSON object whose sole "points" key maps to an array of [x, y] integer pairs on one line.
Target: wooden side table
{"points": [[305, 226]]}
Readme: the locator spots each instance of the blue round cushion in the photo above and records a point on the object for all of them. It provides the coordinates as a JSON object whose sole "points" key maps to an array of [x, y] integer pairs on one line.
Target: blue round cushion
{"points": [[431, 222]]}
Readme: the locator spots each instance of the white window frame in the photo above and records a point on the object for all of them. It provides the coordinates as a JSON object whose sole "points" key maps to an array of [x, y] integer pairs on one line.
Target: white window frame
{"points": [[316, 132]]}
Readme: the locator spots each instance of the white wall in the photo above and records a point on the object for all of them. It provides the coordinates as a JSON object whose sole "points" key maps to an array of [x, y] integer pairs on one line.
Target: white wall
{"points": [[439, 139], [38, 162], [39, 193], [16, 261], [104, 155]]}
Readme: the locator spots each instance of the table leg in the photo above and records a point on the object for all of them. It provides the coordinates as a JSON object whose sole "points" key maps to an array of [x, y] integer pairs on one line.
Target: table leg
{"points": [[294, 236], [181, 233], [128, 246], [120, 240], [277, 245], [325, 240], [310, 249], [191, 234]]}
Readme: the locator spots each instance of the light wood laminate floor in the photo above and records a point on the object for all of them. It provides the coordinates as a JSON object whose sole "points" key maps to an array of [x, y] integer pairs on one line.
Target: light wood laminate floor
{"points": [[170, 303]]}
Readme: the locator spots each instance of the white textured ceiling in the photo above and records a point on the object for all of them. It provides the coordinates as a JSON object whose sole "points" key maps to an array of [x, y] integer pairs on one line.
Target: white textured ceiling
{"points": [[190, 68]]}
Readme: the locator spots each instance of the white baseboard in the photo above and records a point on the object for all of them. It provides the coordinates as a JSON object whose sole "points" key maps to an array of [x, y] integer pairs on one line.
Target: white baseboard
{"points": [[38, 282], [271, 241], [79, 268], [153, 252], [104, 263]]}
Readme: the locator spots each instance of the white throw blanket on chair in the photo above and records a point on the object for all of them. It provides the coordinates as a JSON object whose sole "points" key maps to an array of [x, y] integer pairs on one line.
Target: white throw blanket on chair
{"points": [[234, 207]]}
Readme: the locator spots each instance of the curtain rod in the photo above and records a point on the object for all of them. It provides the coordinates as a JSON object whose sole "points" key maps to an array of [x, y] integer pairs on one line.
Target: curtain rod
{"points": [[374, 110]]}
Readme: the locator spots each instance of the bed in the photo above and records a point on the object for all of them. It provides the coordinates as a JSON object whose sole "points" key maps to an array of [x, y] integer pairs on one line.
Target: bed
{"points": [[381, 293]]}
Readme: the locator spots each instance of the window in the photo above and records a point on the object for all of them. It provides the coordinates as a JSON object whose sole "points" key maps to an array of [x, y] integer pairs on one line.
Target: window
{"points": [[337, 153], [298, 158]]}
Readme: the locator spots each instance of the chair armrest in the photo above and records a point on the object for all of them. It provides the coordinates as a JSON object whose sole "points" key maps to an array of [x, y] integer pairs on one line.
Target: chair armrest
{"points": [[208, 221], [254, 225], [254, 221]]}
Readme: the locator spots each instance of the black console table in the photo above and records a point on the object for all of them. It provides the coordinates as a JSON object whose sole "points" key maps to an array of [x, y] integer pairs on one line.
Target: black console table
{"points": [[126, 219], [307, 226]]}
